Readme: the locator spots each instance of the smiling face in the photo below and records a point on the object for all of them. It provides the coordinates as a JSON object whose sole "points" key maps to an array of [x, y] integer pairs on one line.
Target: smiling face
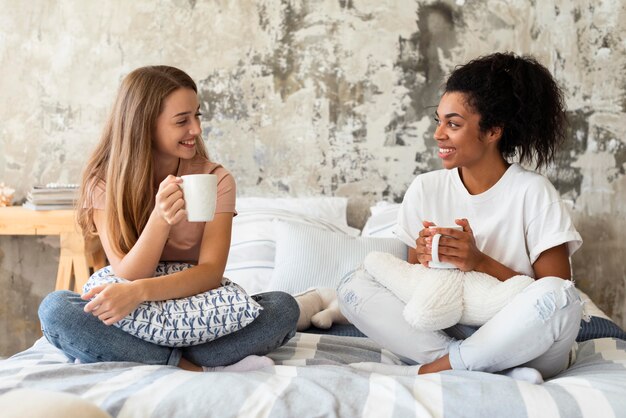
{"points": [[178, 126], [460, 140]]}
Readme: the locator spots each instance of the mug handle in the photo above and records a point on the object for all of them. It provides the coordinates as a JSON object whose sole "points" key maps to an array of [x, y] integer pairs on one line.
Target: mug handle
{"points": [[435, 248]]}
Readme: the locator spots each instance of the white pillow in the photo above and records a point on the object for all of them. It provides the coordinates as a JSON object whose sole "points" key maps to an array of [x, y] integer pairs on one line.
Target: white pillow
{"points": [[329, 208], [311, 257], [45, 403], [383, 220], [253, 244], [186, 321]]}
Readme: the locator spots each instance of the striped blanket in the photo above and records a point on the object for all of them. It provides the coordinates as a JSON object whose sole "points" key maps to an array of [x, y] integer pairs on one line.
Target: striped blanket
{"points": [[313, 378]]}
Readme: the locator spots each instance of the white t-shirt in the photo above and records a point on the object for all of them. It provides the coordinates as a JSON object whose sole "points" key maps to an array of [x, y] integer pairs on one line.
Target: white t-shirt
{"points": [[514, 221]]}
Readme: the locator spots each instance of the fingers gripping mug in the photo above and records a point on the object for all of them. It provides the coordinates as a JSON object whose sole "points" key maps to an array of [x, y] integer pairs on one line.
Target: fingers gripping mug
{"points": [[200, 195], [436, 263]]}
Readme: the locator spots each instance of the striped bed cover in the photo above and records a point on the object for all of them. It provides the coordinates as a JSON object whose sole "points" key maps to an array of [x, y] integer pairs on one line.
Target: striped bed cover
{"points": [[312, 378]]}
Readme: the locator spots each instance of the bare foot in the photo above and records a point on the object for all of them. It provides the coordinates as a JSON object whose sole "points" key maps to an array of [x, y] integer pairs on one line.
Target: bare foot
{"points": [[438, 365]]}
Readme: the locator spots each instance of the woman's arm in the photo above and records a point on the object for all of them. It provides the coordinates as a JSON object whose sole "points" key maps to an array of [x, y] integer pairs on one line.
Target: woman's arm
{"points": [[553, 262], [112, 302], [460, 249], [205, 276], [141, 261], [422, 255]]}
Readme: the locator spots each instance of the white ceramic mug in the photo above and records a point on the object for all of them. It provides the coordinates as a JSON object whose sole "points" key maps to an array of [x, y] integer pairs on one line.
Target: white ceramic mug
{"points": [[200, 194], [435, 263]]}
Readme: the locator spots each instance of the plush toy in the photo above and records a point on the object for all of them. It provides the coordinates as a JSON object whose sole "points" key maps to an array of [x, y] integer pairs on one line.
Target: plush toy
{"points": [[319, 306], [440, 298], [435, 298]]}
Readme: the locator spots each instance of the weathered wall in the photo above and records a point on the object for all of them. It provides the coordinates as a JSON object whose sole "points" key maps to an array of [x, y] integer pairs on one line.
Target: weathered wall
{"points": [[306, 97]]}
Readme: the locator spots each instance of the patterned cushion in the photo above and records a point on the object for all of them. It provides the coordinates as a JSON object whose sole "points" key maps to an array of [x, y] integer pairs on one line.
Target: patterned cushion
{"points": [[187, 321], [599, 328]]}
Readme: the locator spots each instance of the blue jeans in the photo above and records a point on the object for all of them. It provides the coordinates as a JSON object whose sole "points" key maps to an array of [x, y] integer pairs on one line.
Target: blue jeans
{"points": [[84, 337], [536, 329]]}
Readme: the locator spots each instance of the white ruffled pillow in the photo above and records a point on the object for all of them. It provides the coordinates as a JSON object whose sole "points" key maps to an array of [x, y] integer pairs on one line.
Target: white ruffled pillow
{"points": [[187, 321], [332, 209], [382, 221]]}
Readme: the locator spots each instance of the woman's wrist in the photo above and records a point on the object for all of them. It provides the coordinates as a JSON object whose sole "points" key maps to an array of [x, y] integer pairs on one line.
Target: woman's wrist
{"points": [[494, 268], [482, 265], [140, 289], [159, 220]]}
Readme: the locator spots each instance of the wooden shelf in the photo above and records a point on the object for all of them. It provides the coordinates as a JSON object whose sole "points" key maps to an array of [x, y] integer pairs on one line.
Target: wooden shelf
{"points": [[78, 258]]}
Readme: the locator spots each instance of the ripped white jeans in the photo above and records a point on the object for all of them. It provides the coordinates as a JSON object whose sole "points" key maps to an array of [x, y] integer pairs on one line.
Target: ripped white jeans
{"points": [[536, 329]]}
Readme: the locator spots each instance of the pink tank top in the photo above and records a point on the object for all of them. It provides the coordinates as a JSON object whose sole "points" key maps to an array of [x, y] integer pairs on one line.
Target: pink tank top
{"points": [[185, 238]]}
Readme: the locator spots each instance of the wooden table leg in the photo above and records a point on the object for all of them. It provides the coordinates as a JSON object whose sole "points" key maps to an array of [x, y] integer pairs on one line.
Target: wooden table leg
{"points": [[76, 256], [64, 273], [73, 263], [81, 271]]}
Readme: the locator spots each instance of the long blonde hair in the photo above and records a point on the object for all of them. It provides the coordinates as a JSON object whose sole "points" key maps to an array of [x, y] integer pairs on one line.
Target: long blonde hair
{"points": [[123, 157]]}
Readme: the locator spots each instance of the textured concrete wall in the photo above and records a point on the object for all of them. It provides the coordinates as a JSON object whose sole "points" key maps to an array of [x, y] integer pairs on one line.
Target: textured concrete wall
{"points": [[306, 97]]}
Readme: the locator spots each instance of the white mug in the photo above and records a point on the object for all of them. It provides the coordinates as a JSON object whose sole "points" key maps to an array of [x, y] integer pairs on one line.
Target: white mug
{"points": [[200, 195], [435, 263]]}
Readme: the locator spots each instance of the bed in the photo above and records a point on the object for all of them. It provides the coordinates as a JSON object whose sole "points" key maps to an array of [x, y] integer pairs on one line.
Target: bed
{"points": [[313, 376]]}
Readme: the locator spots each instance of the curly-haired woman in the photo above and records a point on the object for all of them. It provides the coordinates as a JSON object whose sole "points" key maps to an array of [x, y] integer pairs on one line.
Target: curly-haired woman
{"points": [[493, 108]]}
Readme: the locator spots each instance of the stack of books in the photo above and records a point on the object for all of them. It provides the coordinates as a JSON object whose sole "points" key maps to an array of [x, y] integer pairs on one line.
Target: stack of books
{"points": [[52, 196]]}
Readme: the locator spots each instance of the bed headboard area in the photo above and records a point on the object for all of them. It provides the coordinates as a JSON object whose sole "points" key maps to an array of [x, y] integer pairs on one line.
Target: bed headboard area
{"points": [[300, 98]]}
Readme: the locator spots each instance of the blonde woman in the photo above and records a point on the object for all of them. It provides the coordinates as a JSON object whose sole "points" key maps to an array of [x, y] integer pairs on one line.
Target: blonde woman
{"points": [[131, 198]]}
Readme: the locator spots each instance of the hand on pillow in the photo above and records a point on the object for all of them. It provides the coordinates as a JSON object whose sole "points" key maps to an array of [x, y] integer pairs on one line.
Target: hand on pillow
{"points": [[440, 298], [187, 321], [320, 308]]}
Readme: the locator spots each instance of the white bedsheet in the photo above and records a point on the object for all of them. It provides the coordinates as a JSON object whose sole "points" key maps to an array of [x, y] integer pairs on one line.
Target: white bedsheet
{"points": [[313, 378]]}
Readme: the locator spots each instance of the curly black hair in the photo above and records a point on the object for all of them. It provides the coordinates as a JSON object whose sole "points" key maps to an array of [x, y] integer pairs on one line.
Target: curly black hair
{"points": [[519, 95]]}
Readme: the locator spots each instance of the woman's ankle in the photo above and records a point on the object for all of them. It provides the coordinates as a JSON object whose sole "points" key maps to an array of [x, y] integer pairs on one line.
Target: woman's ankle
{"points": [[438, 365], [187, 365]]}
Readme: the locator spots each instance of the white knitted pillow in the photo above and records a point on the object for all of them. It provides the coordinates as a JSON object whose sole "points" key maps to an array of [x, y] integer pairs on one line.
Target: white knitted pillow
{"points": [[440, 298], [186, 321]]}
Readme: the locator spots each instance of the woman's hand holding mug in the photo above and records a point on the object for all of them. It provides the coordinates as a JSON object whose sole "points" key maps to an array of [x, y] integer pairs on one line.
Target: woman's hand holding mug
{"points": [[448, 247], [169, 202]]}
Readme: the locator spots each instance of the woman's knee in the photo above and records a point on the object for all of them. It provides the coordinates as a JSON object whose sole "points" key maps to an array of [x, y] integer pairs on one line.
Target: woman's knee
{"points": [[355, 290], [281, 306], [553, 294], [544, 286], [58, 315], [550, 283], [344, 289], [55, 308], [289, 307]]}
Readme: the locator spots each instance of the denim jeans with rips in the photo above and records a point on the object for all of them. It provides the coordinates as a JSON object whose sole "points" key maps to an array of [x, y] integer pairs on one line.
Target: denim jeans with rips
{"points": [[536, 329]]}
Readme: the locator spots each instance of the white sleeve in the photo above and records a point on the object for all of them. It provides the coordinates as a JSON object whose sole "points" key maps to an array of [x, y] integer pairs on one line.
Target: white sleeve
{"points": [[551, 225], [409, 222]]}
